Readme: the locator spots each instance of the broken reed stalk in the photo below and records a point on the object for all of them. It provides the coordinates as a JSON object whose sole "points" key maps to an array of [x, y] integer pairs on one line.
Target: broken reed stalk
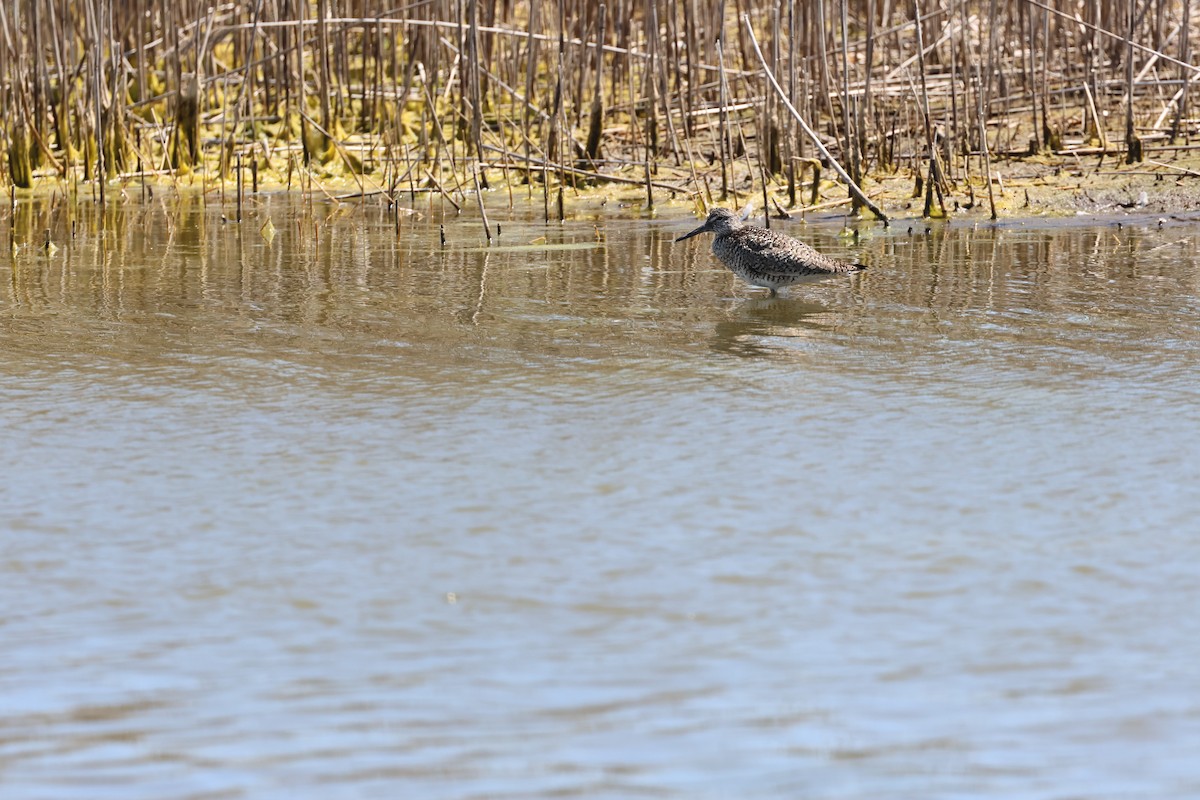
{"points": [[1133, 144], [816, 140], [723, 119], [487, 228], [850, 150], [1185, 75], [596, 117], [983, 144], [933, 184], [473, 70]]}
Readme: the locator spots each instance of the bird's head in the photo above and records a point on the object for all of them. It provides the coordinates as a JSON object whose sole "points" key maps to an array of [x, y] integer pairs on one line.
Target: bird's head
{"points": [[720, 221]]}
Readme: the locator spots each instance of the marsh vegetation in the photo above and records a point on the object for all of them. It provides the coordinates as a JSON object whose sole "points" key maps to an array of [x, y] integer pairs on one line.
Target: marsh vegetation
{"points": [[547, 98]]}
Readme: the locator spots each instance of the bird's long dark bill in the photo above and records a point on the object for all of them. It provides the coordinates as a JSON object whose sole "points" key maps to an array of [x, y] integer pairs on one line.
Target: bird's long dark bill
{"points": [[701, 229]]}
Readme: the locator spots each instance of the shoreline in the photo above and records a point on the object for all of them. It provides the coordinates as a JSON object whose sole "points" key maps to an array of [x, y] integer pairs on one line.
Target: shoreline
{"points": [[1049, 193]]}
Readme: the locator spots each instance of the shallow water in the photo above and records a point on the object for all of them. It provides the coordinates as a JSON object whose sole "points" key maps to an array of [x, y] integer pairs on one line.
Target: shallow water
{"points": [[351, 515]]}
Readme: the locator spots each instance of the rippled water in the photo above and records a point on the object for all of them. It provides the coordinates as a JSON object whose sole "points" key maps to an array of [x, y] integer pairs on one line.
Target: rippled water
{"points": [[351, 515]]}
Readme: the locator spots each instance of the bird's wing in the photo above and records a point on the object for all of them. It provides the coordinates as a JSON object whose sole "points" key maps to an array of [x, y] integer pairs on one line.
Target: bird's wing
{"points": [[793, 253], [785, 249]]}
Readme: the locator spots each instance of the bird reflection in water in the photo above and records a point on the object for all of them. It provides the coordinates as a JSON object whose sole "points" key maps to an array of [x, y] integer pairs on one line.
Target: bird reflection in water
{"points": [[770, 326]]}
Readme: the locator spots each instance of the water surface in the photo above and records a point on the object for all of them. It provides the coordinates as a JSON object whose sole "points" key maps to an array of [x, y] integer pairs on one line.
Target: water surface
{"points": [[347, 514]]}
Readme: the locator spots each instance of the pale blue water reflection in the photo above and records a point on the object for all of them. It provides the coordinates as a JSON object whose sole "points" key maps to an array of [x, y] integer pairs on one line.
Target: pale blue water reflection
{"points": [[357, 517]]}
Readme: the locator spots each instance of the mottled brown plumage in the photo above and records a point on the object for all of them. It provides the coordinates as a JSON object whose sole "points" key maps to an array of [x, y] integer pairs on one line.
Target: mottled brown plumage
{"points": [[762, 257]]}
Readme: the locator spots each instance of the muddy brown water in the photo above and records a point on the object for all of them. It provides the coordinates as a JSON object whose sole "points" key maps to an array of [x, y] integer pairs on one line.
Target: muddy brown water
{"points": [[351, 515]]}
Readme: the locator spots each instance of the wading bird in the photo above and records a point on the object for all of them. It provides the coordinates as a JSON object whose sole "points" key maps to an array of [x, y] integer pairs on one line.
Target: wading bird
{"points": [[762, 257]]}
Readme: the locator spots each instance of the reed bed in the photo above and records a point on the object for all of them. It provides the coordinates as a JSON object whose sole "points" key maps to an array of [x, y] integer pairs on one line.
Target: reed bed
{"points": [[807, 103]]}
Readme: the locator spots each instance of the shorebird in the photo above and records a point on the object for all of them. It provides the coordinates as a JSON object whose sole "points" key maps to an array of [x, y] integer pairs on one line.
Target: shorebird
{"points": [[765, 258]]}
